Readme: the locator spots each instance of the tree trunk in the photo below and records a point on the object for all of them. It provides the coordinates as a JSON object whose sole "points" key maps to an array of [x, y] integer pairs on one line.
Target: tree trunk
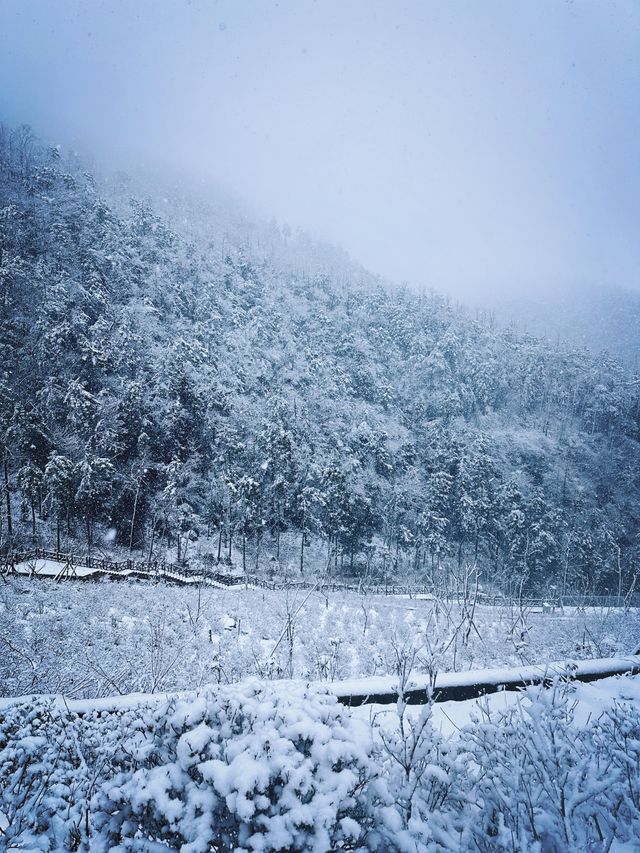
{"points": [[153, 536], [133, 515], [58, 534], [302, 553], [219, 542], [8, 502]]}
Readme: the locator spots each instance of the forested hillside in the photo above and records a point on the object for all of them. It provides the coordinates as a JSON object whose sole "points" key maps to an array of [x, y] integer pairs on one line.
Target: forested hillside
{"points": [[172, 383]]}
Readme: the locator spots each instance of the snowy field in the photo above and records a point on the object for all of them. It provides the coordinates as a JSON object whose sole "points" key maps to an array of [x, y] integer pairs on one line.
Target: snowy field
{"points": [[107, 638], [227, 746]]}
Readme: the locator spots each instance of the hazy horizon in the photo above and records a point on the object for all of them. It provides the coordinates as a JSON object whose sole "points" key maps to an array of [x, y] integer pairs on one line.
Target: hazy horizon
{"points": [[471, 149]]}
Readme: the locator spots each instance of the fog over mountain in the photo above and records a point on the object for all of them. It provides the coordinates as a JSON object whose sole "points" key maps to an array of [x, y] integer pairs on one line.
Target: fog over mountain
{"points": [[477, 149], [173, 371], [601, 319], [455, 381]]}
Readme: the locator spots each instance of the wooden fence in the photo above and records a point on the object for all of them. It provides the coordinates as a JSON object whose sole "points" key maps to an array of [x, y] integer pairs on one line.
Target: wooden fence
{"points": [[178, 574]]}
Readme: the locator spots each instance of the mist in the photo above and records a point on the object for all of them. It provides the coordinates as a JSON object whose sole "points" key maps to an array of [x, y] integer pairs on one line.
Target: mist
{"points": [[472, 148]]}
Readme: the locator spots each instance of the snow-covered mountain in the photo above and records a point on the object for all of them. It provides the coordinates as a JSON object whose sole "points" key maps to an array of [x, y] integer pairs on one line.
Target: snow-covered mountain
{"points": [[173, 369]]}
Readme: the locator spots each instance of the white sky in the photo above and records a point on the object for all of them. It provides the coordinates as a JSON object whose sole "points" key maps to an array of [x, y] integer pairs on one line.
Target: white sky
{"points": [[466, 145]]}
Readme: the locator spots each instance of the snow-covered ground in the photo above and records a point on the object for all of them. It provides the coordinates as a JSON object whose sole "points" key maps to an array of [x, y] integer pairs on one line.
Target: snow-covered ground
{"points": [[234, 740], [590, 702], [109, 638], [497, 681], [492, 678]]}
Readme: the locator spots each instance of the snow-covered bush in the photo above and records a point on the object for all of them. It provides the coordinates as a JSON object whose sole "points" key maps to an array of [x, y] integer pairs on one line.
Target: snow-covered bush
{"points": [[42, 783], [248, 767], [616, 740], [98, 639], [543, 782], [244, 768], [529, 778], [422, 788], [52, 761], [264, 766]]}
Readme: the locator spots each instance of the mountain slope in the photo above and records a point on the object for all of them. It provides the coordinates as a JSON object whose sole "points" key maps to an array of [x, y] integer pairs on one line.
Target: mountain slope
{"points": [[170, 385]]}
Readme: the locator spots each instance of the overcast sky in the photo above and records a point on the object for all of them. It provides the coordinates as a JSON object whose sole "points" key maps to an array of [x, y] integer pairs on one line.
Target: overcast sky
{"points": [[464, 146]]}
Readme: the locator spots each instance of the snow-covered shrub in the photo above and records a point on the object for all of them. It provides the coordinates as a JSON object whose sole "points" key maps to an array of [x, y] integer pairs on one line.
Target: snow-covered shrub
{"points": [[279, 766], [544, 783], [251, 767], [423, 786], [86, 640], [43, 785], [616, 740], [422, 790], [529, 778], [52, 761], [247, 767]]}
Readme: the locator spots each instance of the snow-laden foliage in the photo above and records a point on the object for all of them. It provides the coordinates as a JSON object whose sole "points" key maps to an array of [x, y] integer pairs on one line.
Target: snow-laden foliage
{"points": [[43, 780], [545, 784], [165, 382], [249, 770], [244, 768], [282, 767]]}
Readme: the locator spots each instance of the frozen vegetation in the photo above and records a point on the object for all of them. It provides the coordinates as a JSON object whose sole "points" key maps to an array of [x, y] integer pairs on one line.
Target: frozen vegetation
{"points": [[254, 767], [87, 639], [171, 374]]}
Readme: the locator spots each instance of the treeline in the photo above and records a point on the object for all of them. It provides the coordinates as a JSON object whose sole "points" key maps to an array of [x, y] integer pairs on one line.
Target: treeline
{"points": [[167, 387]]}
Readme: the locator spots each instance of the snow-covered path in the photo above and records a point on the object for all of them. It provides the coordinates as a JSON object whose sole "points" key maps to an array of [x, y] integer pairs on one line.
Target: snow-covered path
{"points": [[53, 569], [59, 570], [591, 701], [363, 692]]}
